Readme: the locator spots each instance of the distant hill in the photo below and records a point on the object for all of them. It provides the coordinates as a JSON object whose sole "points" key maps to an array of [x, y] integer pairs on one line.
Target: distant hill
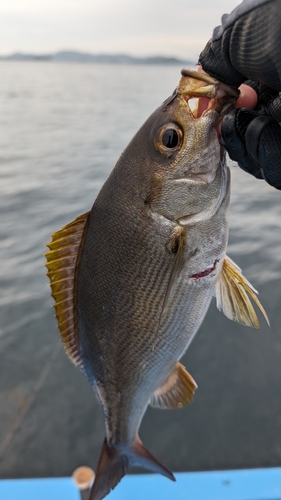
{"points": [[84, 57]]}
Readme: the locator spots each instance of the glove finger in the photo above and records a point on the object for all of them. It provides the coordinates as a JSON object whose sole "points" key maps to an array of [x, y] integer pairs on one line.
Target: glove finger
{"points": [[233, 131], [214, 59], [243, 118], [274, 109], [263, 145], [265, 94]]}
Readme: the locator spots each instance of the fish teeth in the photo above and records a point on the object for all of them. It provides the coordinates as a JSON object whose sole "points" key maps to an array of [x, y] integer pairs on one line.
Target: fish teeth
{"points": [[193, 105]]}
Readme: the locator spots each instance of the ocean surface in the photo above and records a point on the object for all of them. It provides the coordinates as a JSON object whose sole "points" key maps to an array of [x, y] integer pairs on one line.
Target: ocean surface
{"points": [[62, 128]]}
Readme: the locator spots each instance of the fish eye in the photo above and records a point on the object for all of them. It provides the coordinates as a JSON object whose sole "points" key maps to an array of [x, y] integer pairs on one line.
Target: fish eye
{"points": [[168, 139]]}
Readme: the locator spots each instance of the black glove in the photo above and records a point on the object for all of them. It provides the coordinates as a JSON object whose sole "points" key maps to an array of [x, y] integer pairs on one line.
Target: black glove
{"points": [[253, 137], [247, 46]]}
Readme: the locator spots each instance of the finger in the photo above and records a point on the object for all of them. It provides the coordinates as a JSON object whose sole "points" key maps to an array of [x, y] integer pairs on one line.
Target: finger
{"points": [[254, 141], [263, 144], [233, 128], [248, 97], [274, 109]]}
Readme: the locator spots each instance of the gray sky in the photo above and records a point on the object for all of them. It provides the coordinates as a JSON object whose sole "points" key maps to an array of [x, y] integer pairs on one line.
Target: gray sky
{"points": [[138, 27]]}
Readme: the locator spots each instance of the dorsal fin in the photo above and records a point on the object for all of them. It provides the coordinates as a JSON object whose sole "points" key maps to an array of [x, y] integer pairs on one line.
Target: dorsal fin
{"points": [[61, 265]]}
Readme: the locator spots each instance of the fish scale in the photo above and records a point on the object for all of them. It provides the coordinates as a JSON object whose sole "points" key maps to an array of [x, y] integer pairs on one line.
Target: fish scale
{"points": [[133, 278]]}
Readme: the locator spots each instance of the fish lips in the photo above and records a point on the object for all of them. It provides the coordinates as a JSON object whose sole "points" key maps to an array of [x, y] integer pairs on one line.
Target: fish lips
{"points": [[204, 94]]}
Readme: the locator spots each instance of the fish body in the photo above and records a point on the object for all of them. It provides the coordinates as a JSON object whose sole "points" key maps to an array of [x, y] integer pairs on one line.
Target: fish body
{"points": [[130, 344], [134, 277]]}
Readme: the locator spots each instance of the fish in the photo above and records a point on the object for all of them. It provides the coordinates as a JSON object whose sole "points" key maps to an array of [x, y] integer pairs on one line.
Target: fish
{"points": [[133, 278]]}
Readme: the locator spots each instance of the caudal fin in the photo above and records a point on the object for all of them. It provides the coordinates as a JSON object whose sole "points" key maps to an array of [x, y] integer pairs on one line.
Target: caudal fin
{"points": [[142, 457], [114, 464]]}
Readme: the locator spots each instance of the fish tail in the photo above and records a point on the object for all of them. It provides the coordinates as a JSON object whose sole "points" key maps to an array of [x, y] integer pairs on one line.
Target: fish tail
{"points": [[114, 464], [143, 458]]}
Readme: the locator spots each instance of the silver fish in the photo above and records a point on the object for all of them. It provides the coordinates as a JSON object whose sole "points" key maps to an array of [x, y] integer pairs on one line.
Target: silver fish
{"points": [[134, 277]]}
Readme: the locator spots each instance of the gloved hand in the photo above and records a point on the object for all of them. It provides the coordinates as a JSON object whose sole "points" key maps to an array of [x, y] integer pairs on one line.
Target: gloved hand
{"points": [[252, 137], [247, 46]]}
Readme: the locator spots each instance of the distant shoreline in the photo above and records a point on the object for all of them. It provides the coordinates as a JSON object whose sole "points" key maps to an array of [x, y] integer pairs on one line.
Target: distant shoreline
{"points": [[83, 57]]}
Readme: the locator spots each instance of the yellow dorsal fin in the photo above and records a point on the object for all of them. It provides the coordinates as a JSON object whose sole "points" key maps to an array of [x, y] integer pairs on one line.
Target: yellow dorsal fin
{"points": [[232, 299], [177, 390], [61, 265]]}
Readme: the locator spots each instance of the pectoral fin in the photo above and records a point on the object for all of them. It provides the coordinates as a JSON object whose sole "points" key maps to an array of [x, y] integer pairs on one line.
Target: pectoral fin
{"points": [[178, 242], [61, 264], [176, 245], [232, 299], [177, 390]]}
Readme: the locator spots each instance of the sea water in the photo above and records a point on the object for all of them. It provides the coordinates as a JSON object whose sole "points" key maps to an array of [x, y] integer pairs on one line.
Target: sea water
{"points": [[62, 128]]}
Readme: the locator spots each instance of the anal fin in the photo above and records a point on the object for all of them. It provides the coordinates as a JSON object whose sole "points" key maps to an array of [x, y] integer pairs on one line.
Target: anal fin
{"points": [[61, 264], [177, 390], [232, 291]]}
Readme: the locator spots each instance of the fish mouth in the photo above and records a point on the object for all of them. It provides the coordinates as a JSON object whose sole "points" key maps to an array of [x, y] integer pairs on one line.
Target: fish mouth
{"points": [[204, 273], [204, 94]]}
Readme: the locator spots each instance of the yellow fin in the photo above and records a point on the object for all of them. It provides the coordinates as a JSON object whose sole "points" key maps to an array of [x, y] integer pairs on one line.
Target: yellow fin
{"points": [[177, 390], [178, 239], [61, 265], [232, 299]]}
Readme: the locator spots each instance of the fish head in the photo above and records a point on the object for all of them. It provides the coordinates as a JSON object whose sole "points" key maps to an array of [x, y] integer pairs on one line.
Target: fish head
{"points": [[184, 145], [187, 131]]}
